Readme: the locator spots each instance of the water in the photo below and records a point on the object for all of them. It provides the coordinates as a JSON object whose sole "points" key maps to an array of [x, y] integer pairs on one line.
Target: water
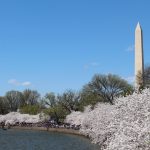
{"points": [[41, 140]]}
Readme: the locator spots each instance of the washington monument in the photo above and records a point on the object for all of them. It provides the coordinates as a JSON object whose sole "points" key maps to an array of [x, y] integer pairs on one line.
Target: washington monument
{"points": [[139, 59]]}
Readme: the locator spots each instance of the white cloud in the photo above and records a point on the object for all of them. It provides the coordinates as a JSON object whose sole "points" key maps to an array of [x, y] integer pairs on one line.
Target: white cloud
{"points": [[130, 79], [17, 83], [130, 48], [14, 82], [94, 64], [90, 65], [86, 67], [27, 83]]}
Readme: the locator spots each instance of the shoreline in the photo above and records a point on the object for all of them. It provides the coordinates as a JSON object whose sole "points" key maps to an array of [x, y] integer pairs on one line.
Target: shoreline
{"points": [[59, 130]]}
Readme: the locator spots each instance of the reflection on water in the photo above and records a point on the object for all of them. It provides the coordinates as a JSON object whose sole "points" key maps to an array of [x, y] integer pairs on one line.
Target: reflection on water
{"points": [[42, 140]]}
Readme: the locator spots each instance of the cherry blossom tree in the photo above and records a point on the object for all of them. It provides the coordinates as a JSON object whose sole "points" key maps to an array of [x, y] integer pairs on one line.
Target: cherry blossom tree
{"points": [[124, 125]]}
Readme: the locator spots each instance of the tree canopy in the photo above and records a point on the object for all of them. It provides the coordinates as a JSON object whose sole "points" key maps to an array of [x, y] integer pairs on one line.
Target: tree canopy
{"points": [[105, 88]]}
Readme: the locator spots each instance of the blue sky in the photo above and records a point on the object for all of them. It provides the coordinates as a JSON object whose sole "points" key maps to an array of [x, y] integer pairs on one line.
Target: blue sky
{"points": [[51, 46]]}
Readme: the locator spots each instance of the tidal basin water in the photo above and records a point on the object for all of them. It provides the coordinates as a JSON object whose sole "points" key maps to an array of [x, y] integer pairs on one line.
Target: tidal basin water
{"points": [[41, 140]]}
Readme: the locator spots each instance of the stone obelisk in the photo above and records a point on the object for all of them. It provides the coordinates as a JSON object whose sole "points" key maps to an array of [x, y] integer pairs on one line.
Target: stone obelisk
{"points": [[139, 58]]}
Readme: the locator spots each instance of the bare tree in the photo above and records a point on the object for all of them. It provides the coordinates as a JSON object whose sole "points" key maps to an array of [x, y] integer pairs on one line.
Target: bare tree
{"points": [[69, 100], [147, 76], [13, 99], [144, 79], [50, 99], [3, 105], [107, 87], [30, 97]]}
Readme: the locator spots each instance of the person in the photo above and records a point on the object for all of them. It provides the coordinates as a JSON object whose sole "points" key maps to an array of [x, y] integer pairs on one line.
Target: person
{"points": [[3, 125], [8, 126]]}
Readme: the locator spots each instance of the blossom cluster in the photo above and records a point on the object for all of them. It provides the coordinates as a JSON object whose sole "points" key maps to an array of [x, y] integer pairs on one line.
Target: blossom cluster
{"points": [[15, 117], [122, 126]]}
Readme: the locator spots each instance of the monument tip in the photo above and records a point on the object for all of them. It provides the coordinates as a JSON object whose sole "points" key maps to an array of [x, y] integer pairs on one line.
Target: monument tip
{"points": [[138, 26]]}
